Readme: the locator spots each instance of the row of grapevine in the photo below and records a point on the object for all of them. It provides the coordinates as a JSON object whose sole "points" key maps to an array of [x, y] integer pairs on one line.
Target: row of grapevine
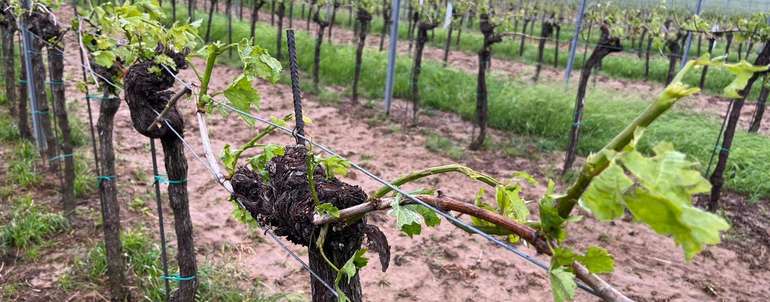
{"points": [[295, 192]]}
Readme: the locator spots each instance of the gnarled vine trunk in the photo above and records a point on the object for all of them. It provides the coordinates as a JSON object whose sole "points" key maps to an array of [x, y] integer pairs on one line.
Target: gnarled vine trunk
{"points": [[364, 18], [545, 32], [759, 112], [38, 23], [674, 48], [422, 38], [284, 202], [8, 26], [335, 6], [717, 178], [705, 70], [54, 34], [147, 93], [385, 23], [257, 5], [318, 41], [24, 129], [485, 56], [607, 45], [279, 41]]}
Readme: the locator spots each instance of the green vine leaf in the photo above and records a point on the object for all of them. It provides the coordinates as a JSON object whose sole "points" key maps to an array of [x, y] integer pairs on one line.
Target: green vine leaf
{"points": [[743, 72], [327, 209], [409, 218], [604, 196], [229, 159], [562, 284], [597, 260], [104, 58], [259, 162], [242, 95], [350, 269], [551, 223], [257, 63], [335, 166]]}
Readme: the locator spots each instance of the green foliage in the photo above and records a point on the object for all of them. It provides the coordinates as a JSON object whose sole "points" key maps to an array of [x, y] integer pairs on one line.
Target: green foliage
{"points": [[443, 145], [242, 95], [215, 283], [409, 218], [30, 224], [349, 270], [658, 191], [335, 166], [327, 209], [22, 169], [8, 130], [84, 183], [562, 284]]}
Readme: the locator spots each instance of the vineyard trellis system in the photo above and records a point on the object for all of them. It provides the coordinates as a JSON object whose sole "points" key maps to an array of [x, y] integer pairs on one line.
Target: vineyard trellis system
{"points": [[293, 192]]}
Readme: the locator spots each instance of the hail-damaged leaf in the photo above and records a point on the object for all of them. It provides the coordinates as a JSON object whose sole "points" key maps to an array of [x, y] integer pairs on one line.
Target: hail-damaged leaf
{"points": [[551, 223], [562, 284], [510, 204], [229, 159], [604, 196], [562, 257], [692, 228], [163, 59], [257, 62], [327, 209], [743, 72], [335, 166], [597, 260], [183, 35], [409, 218], [242, 95], [668, 173], [259, 163], [521, 175], [354, 264], [104, 58]]}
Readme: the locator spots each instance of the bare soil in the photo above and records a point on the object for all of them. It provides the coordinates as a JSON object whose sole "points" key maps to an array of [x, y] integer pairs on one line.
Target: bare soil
{"points": [[442, 264]]}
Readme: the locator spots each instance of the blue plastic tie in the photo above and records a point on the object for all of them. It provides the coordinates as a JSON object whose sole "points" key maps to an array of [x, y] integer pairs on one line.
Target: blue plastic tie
{"points": [[22, 81], [105, 178], [55, 82], [726, 150], [177, 277], [101, 98], [60, 157], [162, 179], [45, 112]]}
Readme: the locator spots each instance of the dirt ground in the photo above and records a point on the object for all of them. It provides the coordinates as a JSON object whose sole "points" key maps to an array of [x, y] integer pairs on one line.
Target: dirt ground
{"points": [[442, 264]]}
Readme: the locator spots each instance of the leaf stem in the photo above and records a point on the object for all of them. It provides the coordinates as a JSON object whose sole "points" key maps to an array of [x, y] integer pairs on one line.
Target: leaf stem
{"points": [[470, 173]]}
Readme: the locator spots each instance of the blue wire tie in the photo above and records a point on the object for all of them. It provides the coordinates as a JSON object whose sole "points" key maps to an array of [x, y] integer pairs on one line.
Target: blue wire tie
{"points": [[100, 178], [40, 112], [162, 179], [101, 98], [726, 150], [55, 82], [60, 157], [176, 277], [577, 124], [22, 81]]}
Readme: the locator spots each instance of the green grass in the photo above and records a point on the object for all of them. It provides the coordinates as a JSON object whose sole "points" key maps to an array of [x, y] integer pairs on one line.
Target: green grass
{"points": [[625, 65], [23, 168], [442, 145], [542, 110], [216, 283], [30, 224]]}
